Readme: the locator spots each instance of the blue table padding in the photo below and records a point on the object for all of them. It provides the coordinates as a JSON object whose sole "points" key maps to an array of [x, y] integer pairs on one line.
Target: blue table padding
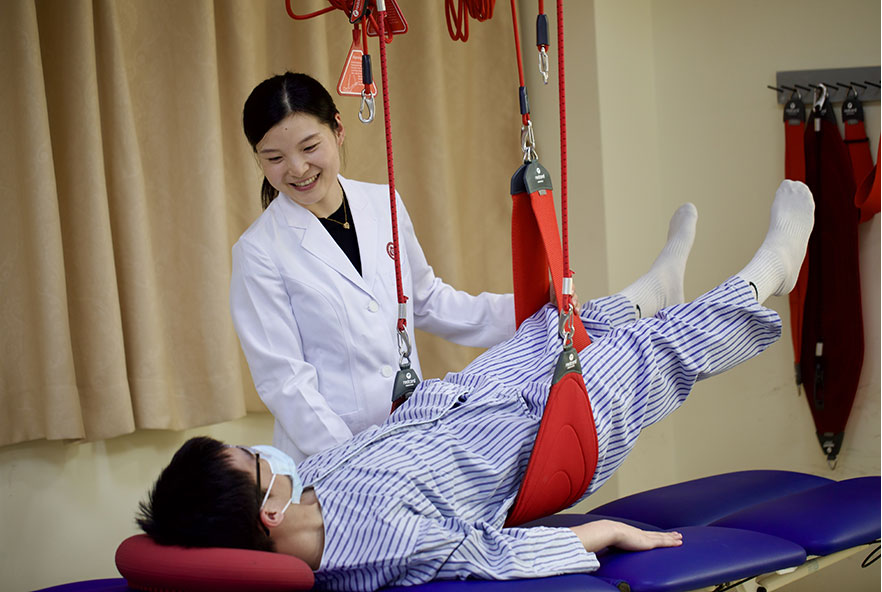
{"points": [[560, 520], [823, 520], [702, 501], [105, 585], [709, 556], [565, 583]]}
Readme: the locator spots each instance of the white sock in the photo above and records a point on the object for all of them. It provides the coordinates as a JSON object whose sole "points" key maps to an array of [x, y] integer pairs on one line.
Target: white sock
{"points": [[775, 267], [662, 285]]}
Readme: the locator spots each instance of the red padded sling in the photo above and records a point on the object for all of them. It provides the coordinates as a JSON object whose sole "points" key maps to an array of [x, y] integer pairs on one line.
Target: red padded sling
{"points": [[564, 454], [832, 329]]}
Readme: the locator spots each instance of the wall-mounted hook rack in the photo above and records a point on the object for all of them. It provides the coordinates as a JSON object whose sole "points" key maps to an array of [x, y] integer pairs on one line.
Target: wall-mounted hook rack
{"points": [[839, 82]]}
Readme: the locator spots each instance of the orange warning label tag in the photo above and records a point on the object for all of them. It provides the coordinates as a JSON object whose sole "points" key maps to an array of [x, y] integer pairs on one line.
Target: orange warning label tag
{"points": [[351, 83], [395, 22]]}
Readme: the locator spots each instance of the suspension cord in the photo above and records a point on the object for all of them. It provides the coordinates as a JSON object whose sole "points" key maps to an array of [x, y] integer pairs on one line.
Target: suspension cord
{"points": [[522, 89], [562, 100], [390, 166]]}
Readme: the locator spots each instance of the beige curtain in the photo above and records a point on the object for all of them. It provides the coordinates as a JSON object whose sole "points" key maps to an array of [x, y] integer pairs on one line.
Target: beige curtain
{"points": [[125, 179]]}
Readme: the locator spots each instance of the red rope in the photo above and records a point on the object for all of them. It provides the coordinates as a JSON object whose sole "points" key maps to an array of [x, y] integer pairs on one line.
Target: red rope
{"points": [[345, 6], [390, 166], [458, 16], [561, 86], [335, 4], [525, 117]]}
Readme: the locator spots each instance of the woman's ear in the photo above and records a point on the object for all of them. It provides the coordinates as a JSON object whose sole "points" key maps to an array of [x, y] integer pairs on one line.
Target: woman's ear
{"points": [[339, 132]]}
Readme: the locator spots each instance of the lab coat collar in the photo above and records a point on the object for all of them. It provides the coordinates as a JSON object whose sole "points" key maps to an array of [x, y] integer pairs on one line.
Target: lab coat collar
{"points": [[317, 242]]}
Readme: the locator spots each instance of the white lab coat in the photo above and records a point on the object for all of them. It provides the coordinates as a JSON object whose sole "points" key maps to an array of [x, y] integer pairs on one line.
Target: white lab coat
{"points": [[321, 340]]}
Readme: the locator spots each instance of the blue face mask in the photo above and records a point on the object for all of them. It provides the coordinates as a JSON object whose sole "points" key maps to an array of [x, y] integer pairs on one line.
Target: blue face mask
{"points": [[280, 464]]}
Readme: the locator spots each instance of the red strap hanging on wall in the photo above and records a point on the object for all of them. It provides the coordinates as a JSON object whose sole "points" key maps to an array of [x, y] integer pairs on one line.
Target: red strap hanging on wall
{"points": [[866, 198], [861, 160], [794, 169]]}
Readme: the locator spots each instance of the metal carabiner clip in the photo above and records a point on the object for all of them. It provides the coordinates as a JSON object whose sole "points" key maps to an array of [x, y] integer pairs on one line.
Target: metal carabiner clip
{"points": [[543, 64], [819, 97], [566, 327], [403, 347], [528, 143], [367, 100]]}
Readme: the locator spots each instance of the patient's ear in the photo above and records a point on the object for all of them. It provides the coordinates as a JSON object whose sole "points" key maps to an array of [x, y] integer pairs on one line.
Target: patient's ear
{"points": [[270, 517]]}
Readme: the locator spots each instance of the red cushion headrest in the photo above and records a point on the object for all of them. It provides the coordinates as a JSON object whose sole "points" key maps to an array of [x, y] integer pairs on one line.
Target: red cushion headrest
{"points": [[150, 566]]}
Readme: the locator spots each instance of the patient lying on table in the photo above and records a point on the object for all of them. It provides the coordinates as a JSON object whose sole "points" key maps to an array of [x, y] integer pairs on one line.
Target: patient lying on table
{"points": [[425, 495]]}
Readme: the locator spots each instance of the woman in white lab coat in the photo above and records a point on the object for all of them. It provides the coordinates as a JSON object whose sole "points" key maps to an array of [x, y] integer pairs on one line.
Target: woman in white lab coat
{"points": [[313, 293]]}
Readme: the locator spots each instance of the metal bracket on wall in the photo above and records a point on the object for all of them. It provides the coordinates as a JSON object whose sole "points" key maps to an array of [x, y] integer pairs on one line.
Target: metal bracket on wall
{"points": [[839, 82]]}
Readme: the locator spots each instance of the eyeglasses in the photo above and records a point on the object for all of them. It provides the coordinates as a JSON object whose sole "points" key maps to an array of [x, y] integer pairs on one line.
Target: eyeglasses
{"points": [[257, 469], [258, 497]]}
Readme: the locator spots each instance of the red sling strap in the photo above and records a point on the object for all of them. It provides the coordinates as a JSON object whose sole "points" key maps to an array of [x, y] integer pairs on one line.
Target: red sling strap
{"points": [[536, 246], [858, 145], [866, 198], [856, 139], [832, 332], [794, 169]]}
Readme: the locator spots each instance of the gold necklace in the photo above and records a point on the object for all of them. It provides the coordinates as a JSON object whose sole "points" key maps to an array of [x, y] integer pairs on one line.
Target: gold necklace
{"points": [[345, 222]]}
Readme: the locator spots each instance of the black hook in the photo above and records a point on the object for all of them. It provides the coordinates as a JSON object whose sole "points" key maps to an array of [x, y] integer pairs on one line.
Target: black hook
{"points": [[871, 83]]}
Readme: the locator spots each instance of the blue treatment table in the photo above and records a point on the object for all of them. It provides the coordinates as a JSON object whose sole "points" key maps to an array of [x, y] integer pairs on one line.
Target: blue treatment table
{"points": [[735, 526], [762, 529]]}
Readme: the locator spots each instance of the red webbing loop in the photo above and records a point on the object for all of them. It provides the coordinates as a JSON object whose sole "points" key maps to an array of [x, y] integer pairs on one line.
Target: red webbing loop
{"points": [[858, 150], [390, 166], [543, 210], [536, 250], [867, 197], [794, 169]]}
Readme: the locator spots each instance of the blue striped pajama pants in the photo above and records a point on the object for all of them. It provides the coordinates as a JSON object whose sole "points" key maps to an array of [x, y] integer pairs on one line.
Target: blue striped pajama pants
{"points": [[636, 372]]}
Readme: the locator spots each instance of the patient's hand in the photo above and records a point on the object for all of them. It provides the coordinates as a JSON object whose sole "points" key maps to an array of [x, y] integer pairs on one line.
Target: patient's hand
{"points": [[608, 533]]}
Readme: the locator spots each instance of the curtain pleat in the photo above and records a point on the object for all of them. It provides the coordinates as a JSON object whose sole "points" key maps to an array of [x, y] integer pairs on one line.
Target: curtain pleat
{"points": [[125, 179]]}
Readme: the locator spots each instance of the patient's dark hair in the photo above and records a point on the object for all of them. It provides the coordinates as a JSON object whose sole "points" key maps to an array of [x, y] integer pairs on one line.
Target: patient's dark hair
{"points": [[201, 500], [276, 98]]}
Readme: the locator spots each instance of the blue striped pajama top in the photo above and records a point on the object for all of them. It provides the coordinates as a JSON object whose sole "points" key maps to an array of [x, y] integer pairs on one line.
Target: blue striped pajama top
{"points": [[424, 496]]}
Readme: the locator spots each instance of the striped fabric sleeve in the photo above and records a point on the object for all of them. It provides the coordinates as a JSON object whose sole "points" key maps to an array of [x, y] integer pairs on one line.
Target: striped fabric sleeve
{"points": [[451, 550]]}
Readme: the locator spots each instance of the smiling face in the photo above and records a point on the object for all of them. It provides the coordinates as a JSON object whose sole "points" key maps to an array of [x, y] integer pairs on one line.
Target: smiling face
{"points": [[300, 157]]}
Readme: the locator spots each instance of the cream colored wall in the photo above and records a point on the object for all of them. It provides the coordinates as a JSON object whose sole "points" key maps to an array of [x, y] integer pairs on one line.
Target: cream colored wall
{"points": [[675, 92], [686, 116]]}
